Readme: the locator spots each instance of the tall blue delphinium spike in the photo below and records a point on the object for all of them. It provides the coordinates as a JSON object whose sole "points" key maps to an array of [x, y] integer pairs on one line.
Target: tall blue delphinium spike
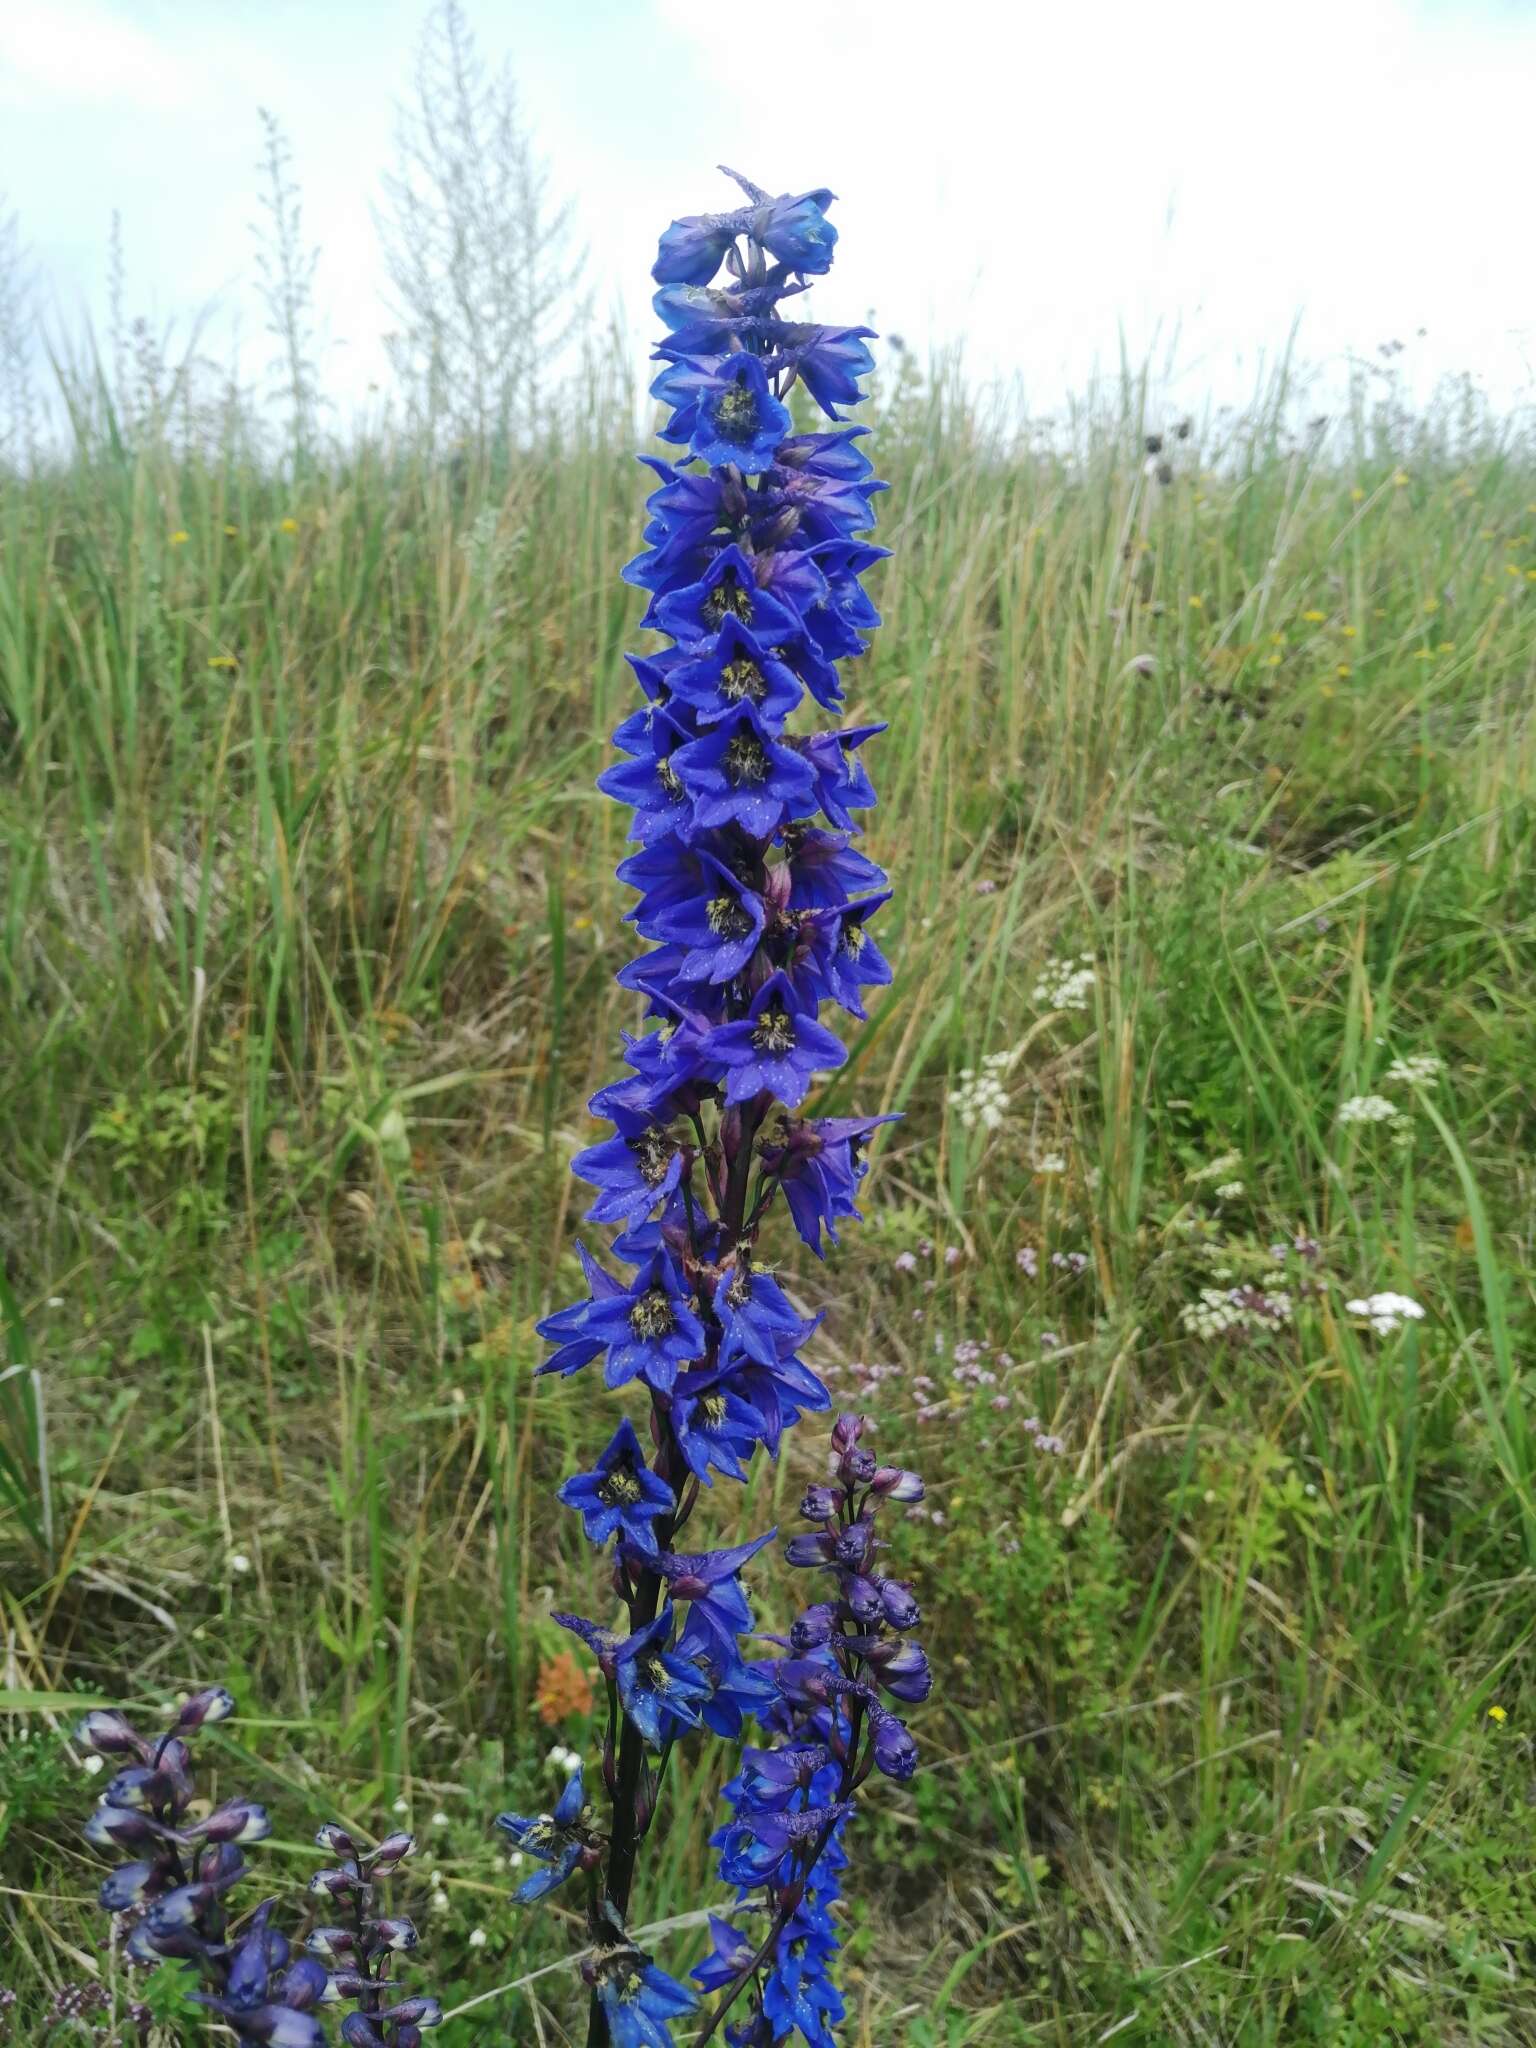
{"points": [[169, 1902], [756, 905]]}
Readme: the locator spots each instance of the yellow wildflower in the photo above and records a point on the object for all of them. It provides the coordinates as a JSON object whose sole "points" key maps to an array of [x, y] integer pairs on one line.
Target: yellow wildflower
{"points": [[1197, 604], [179, 537], [1401, 478], [1497, 1714], [287, 526], [1431, 604], [222, 661], [1314, 618], [1349, 632], [232, 531], [1357, 494], [1344, 669]]}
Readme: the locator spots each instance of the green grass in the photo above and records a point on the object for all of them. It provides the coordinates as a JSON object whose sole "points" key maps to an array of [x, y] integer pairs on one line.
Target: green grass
{"points": [[309, 930]]}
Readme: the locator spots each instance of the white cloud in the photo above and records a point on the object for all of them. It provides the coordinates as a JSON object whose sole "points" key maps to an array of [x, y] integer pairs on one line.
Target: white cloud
{"points": [[76, 55]]}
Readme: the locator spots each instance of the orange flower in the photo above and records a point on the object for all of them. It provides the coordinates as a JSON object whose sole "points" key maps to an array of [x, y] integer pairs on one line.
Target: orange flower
{"points": [[564, 1689]]}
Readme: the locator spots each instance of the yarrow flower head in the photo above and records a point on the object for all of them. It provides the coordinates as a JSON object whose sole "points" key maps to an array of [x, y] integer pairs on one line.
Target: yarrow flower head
{"points": [[758, 915], [1367, 1109], [1386, 1312]]}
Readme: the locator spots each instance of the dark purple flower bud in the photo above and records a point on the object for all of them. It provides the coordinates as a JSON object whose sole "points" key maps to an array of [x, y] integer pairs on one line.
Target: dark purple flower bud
{"points": [[340, 1884], [847, 1430], [238, 1820], [901, 1668], [360, 2032], [894, 1749], [813, 1627], [213, 1703], [220, 1865], [110, 1733], [130, 1885], [861, 1596], [182, 1944], [892, 1483], [399, 1934], [821, 1503], [901, 1608], [307, 1983], [859, 1464], [121, 1827], [854, 1544], [806, 1682], [810, 1549], [334, 1942], [392, 1850], [143, 1789], [335, 1841], [184, 1907], [415, 2012]]}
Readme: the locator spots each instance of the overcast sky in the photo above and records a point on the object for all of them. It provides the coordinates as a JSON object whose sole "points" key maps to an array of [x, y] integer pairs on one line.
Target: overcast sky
{"points": [[1029, 179]]}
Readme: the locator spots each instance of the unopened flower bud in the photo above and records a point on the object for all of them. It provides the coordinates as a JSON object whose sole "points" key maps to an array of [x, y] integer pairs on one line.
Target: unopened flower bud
{"points": [[213, 1703], [890, 1482]]}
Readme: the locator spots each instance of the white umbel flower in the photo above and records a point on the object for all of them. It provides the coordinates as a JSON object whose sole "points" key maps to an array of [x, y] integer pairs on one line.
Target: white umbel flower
{"points": [[1386, 1312]]}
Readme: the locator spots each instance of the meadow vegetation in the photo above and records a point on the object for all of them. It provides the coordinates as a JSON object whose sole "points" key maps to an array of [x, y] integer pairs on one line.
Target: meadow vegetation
{"points": [[1208, 784]]}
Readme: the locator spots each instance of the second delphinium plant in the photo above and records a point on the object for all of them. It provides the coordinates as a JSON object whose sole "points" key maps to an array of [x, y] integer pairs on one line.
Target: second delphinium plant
{"points": [[756, 904]]}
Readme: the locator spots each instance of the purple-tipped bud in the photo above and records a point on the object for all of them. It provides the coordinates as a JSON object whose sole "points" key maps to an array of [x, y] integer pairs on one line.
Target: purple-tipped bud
{"points": [[340, 1884], [184, 1907], [399, 1934], [335, 1841], [360, 2032], [809, 1550], [120, 1827], [306, 1984], [213, 1703], [333, 1942], [415, 2012], [854, 1544], [900, 1607], [812, 1628], [176, 1944], [847, 1430], [861, 1596], [895, 1750], [130, 1885], [139, 1787], [237, 1820], [220, 1866], [901, 1668], [821, 1503], [892, 1483], [392, 1850], [859, 1465], [110, 1734]]}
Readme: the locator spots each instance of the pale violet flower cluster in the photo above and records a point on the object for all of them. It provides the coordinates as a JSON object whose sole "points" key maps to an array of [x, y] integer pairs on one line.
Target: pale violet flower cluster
{"points": [[1219, 1310]]}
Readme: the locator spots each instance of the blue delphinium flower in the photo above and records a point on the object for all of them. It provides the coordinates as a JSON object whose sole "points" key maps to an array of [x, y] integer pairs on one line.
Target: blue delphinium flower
{"points": [[559, 1840], [756, 907], [620, 1494]]}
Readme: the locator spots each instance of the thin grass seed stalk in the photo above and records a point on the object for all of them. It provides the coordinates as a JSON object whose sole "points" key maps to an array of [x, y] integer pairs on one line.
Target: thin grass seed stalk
{"points": [[756, 904]]}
